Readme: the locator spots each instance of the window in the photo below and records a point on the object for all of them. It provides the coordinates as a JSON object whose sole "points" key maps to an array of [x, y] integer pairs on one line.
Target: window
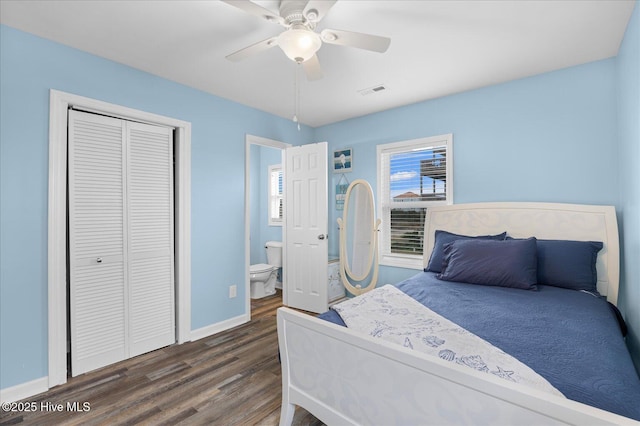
{"points": [[275, 195], [412, 175]]}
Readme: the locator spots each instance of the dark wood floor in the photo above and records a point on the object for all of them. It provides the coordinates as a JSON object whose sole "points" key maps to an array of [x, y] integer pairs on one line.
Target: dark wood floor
{"points": [[231, 378]]}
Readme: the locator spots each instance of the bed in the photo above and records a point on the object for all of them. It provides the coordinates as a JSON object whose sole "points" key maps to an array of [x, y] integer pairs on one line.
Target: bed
{"points": [[346, 377]]}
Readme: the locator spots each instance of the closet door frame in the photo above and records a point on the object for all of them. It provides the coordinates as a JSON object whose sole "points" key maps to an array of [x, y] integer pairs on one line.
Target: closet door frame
{"points": [[59, 104]]}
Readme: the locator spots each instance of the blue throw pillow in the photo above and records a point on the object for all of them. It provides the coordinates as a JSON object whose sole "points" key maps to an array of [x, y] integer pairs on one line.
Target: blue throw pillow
{"points": [[444, 237], [568, 264], [510, 263]]}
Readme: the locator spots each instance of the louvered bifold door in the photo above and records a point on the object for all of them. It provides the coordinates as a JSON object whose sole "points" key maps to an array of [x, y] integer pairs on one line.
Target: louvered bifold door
{"points": [[150, 271], [97, 241], [121, 266]]}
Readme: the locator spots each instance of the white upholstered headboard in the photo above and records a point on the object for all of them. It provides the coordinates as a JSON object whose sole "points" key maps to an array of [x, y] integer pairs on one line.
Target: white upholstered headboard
{"points": [[541, 220]]}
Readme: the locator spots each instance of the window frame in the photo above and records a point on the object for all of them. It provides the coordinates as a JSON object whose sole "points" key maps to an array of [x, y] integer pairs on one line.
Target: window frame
{"points": [[385, 257], [270, 196]]}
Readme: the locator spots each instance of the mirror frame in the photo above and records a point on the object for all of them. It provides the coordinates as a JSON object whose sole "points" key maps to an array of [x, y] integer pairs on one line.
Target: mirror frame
{"points": [[345, 269]]}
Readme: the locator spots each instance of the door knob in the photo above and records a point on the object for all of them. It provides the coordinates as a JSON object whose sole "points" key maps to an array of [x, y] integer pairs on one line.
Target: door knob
{"points": [[99, 260], [321, 237]]}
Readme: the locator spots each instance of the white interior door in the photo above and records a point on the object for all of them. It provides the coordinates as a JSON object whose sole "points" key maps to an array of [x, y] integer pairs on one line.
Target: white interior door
{"points": [[306, 211], [121, 239]]}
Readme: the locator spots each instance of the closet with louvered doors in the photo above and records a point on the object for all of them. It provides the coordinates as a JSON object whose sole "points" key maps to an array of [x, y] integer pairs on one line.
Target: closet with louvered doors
{"points": [[121, 238]]}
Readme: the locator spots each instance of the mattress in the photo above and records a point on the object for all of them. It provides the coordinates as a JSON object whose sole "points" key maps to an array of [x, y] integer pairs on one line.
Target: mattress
{"points": [[571, 338]]}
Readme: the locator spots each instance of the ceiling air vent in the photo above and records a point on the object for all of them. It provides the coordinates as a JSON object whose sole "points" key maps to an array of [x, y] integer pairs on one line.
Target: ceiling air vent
{"points": [[371, 90]]}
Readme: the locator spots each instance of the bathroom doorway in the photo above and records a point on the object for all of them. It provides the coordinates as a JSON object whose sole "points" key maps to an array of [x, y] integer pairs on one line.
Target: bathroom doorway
{"points": [[262, 158]]}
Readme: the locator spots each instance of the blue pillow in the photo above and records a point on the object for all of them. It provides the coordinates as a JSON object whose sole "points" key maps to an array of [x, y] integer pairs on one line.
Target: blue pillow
{"points": [[510, 263], [444, 237], [568, 264]]}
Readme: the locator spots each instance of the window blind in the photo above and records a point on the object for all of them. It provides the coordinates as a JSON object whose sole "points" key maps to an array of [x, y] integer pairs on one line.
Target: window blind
{"points": [[275, 195], [412, 177]]}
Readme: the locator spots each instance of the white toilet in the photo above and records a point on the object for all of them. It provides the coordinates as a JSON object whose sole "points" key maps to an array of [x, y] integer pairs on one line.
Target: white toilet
{"points": [[263, 275]]}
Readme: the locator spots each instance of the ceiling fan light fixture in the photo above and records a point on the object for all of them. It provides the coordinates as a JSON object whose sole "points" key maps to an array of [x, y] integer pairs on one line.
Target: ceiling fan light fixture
{"points": [[299, 44]]}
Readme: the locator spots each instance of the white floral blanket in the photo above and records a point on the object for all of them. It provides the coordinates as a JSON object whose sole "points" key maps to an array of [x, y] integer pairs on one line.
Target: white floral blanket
{"points": [[388, 313]]}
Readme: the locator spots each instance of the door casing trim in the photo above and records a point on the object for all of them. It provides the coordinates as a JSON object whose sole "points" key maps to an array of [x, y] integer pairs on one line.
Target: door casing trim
{"points": [[254, 140], [59, 104]]}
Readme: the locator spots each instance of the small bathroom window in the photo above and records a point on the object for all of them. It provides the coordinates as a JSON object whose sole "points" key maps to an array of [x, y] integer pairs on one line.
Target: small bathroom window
{"points": [[275, 195]]}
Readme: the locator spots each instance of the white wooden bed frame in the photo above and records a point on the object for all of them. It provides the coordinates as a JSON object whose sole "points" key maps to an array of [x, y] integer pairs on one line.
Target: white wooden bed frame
{"points": [[346, 378]]}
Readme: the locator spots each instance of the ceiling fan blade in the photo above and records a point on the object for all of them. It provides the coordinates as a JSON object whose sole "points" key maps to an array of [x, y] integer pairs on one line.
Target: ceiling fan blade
{"points": [[256, 10], [359, 40], [315, 10], [253, 49], [312, 68]]}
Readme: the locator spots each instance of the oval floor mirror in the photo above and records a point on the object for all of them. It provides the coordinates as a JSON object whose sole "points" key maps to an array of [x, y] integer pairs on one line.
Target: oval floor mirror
{"points": [[359, 239]]}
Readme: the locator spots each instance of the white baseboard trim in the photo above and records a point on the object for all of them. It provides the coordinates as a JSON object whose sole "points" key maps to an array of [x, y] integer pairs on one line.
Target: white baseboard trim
{"points": [[24, 390], [212, 329]]}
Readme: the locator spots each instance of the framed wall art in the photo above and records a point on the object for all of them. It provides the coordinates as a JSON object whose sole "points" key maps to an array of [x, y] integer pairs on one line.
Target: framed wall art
{"points": [[342, 160]]}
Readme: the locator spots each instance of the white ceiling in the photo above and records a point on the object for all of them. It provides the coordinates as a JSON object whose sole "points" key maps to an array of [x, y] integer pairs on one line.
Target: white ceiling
{"points": [[437, 47]]}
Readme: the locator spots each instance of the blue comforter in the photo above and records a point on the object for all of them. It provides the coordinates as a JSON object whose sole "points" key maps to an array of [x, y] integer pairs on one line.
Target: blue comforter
{"points": [[570, 338]]}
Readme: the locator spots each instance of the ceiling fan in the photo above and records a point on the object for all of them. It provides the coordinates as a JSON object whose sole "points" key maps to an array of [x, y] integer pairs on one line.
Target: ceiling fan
{"points": [[299, 41]]}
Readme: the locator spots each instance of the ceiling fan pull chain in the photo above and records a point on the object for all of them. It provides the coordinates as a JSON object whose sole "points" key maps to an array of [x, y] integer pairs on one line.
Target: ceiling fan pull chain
{"points": [[296, 96]]}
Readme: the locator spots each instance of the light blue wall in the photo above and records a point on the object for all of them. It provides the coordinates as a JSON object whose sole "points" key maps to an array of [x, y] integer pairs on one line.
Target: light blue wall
{"points": [[261, 158], [29, 67], [628, 107], [550, 138], [254, 203]]}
